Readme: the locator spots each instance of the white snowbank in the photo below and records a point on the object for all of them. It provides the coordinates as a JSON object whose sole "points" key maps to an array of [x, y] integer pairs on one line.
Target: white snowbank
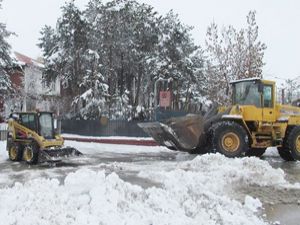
{"points": [[3, 126], [91, 148], [3, 152], [252, 204], [88, 197], [65, 135], [271, 152], [189, 192]]}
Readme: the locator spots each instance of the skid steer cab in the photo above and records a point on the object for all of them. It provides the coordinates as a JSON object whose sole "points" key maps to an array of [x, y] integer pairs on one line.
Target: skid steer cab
{"points": [[31, 137], [254, 122]]}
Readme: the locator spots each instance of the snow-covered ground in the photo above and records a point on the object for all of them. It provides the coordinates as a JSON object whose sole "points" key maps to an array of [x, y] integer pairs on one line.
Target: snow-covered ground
{"points": [[121, 184]]}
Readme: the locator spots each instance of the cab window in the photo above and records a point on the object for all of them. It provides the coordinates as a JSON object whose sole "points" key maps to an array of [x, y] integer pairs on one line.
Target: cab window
{"points": [[246, 93], [28, 120], [268, 96], [46, 125]]}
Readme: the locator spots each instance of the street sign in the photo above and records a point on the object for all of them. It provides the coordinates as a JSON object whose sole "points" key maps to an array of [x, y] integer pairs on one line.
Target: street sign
{"points": [[164, 98]]}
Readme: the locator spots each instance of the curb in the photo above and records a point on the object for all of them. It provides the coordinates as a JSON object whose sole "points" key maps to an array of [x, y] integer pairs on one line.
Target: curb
{"points": [[114, 141]]}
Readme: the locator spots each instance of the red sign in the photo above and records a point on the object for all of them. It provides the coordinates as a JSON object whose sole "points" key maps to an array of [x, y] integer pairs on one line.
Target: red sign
{"points": [[164, 98]]}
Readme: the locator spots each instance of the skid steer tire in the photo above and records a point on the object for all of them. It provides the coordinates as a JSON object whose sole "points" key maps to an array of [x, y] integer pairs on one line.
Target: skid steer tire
{"points": [[31, 154], [285, 154], [293, 142], [15, 152], [230, 139], [257, 152]]}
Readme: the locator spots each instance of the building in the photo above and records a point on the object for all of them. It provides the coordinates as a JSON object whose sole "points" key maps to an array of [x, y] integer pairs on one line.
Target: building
{"points": [[30, 92]]}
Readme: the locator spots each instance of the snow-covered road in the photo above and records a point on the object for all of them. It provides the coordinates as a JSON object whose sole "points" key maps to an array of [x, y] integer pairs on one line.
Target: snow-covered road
{"points": [[121, 184]]}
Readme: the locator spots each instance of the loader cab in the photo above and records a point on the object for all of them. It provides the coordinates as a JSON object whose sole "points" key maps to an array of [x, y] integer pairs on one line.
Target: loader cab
{"points": [[247, 92], [257, 94], [41, 123]]}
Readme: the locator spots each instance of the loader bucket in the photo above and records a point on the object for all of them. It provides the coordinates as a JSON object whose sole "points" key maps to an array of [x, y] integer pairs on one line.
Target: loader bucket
{"points": [[180, 133], [58, 154]]}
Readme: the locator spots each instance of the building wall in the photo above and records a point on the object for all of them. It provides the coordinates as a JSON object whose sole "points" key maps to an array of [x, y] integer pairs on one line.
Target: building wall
{"points": [[30, 91], [38, 94]]}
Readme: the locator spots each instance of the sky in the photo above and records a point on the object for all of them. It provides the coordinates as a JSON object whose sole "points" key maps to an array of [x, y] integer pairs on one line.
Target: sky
{"points": [[278, 21]]}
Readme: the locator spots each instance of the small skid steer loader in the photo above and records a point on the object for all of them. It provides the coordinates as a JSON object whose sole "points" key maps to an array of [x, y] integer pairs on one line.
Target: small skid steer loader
{"points": [[31, 137]]}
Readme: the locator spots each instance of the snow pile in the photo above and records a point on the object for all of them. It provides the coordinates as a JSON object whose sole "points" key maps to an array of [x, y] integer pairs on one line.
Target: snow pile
{"points": [[3, 152], [88, 197], [3, 126], [252, 204], [92, 148], [215, 173], [186, 192], [65, 135]]}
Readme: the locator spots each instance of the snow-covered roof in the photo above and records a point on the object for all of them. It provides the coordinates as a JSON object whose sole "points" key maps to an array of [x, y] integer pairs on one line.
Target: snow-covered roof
{"points": [[24, 60], [246, 79]]}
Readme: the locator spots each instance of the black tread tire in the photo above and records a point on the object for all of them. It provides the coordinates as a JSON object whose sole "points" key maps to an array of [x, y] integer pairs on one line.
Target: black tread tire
{"points": [[257, 152], [291, 142], [171, 148], [35, 154], [225, 127], [17, 156], [285, 154], [204, 145]]}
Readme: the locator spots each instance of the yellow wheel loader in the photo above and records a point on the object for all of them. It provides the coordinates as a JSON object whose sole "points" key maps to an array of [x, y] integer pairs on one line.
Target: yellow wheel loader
{"points": [[31, 137], [254, 122]]}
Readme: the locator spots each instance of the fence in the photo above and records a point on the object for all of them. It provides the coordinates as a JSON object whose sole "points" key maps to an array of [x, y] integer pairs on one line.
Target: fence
{"points": [[103, 128], [98, 128], [94, 128]]}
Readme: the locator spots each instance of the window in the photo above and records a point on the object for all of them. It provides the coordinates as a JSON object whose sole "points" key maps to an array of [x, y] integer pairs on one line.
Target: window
{"points": [[46, 125], [246, 93], [268, 100], [28, 120]]}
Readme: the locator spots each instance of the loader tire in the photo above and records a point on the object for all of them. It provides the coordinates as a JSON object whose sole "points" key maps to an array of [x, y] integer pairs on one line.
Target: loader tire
{"points": [[31, 154], [257, 152], [15, 152], [293, 142], [230, 139], [285, 154]]}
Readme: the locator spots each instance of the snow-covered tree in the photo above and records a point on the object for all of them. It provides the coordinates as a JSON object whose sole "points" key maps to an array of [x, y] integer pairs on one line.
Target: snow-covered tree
{"points": [[124, 47], [291, 89], [180, 59], [233, 54], [5, 59], [64, 50]]}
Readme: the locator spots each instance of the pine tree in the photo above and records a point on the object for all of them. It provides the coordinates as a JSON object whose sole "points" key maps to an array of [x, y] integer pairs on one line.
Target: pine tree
{"points": [[111, 54], [5, 60]]}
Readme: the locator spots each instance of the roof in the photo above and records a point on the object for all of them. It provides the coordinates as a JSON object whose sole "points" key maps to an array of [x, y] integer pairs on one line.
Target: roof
{"points": [[24, 60], [246, 79]]}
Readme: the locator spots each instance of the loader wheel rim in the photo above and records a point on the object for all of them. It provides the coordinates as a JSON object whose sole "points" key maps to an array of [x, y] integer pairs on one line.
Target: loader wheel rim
{"points": [[13, 152], [28, 154], [298, 144], [230, 142]]}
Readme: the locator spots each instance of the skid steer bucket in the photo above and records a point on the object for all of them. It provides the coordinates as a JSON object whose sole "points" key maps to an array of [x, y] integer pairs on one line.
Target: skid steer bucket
{"points": [[180, 133], [58, 154]]}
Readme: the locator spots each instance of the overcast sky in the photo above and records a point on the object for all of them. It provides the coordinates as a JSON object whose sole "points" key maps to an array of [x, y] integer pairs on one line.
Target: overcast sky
{"points": [[278, 20]]}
